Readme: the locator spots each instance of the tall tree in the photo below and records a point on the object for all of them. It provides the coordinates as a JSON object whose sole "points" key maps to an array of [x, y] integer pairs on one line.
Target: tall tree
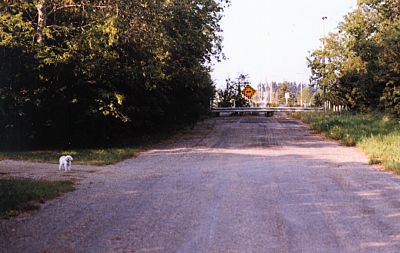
{"points": [[359, 64], [102, 68], [232, 94]]}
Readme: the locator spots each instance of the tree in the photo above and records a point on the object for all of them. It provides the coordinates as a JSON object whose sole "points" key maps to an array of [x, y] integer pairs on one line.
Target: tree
{"points": [[232, 94], [284, 88], [95, 70], [358, 66], [307, 95]]}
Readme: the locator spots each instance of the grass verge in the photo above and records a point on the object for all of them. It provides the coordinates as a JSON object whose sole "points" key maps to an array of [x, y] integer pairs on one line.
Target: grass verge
{"points": [[21, 195], [379, 137], [81, 156]]}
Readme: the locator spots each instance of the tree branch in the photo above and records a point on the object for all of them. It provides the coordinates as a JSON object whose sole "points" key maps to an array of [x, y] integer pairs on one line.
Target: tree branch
{"points": [[77, 6]]}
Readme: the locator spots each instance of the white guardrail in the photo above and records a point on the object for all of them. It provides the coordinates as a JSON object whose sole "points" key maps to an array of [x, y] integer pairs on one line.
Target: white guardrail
{"points": [[266, 109]]}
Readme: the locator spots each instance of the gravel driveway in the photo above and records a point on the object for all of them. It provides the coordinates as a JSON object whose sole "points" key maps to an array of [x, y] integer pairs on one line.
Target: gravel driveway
{"points": [[246, 184]]}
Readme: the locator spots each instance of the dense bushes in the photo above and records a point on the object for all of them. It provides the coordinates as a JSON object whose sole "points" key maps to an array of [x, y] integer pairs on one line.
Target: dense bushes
{"points": [[359, 66], [91, 72]]}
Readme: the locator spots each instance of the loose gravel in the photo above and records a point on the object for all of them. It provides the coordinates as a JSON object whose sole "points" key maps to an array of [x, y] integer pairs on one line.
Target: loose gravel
{"points": [[232, 184]]}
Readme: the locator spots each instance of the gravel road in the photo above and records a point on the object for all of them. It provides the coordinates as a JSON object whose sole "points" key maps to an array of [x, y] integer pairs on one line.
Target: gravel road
{"points": [[245, 184]]}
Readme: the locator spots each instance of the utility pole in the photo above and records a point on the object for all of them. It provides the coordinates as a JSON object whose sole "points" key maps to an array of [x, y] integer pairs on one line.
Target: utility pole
{"points": [[323, 73], [301, 91], [301, 94], [270, 93]]}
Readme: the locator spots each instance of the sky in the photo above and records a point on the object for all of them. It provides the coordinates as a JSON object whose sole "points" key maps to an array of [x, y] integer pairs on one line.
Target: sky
{"points": [[270, 39]]}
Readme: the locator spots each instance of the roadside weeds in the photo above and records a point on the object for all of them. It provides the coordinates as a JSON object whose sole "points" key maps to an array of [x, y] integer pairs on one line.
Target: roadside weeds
{"points": [[22, 195], [378, 137], [81, 156]]}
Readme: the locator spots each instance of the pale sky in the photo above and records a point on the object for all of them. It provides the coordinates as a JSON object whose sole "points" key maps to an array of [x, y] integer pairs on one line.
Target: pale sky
{"points": [[270, 39]]}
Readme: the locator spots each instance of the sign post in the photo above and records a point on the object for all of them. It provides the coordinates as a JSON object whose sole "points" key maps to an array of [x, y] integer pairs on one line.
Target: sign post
{"points": [[287, 96]]}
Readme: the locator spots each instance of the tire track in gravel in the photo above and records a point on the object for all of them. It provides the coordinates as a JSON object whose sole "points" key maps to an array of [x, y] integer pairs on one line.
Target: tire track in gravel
{"points": [[237, 184]]}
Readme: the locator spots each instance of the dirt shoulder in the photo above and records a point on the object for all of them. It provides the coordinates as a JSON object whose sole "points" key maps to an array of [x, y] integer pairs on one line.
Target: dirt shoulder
{"points": [[234, 184], [44, 171], [49, 171]]}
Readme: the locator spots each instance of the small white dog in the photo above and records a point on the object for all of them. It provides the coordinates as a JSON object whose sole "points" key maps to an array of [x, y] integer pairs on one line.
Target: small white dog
{"points": [[65, 161]]}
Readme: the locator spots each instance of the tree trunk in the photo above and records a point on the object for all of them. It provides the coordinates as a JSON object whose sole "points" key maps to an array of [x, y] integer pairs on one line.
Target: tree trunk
{"points": [[41, 22]]}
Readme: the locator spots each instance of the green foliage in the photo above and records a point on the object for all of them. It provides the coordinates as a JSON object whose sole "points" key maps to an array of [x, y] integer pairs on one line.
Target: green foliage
{"points": [[232, 94], [383, 149], [294, 89], [96, 71], [285, 88], [359, 65], [308, 96], [81, 156], [379, 137], [20, 195]]}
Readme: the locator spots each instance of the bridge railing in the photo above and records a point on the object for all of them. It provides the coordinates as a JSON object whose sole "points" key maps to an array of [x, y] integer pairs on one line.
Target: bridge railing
{"points": [[266, 109]]}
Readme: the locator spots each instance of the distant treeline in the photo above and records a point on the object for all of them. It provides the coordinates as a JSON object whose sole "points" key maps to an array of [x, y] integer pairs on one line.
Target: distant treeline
{"points": [[359, 66], [89, 72], [273, 94]]}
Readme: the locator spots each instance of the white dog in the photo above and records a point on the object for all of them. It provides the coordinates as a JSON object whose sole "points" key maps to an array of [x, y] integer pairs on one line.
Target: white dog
{"points": [[65, 161]]}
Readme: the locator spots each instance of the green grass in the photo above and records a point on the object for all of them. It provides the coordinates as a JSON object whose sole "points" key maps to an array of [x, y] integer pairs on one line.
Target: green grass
{"points": [[97, 156], [81, 156], [379, 137], [21, 195]]}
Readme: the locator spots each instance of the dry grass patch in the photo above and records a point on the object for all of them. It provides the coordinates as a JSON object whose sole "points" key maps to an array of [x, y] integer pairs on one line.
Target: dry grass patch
{"points": [[379, 137]]}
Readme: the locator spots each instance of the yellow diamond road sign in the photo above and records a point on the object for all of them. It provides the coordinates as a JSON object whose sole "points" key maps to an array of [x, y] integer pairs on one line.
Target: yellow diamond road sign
{"points": [[248, 91]]}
